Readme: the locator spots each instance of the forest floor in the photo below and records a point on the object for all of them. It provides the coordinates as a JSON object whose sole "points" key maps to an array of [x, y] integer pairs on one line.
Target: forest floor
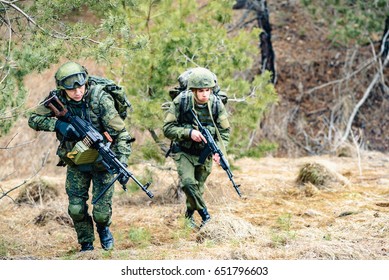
{"points": [[276, 219]]}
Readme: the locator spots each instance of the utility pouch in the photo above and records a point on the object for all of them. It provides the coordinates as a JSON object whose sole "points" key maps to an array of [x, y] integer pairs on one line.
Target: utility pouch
{"points": [[175, 148], [63, 149], [82, 154]]}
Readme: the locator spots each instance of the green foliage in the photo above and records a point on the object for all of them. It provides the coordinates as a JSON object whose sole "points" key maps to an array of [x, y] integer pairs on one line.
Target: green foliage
{"points": [[147, 177], [284, 221], [145, 45], [12, 96], [140, 236], [192, 39], [283, 233], [260, 150], [25, 48], [356, 21], [151, 151], [3, 249], [184, 231], [327, 237], [247, 116]]}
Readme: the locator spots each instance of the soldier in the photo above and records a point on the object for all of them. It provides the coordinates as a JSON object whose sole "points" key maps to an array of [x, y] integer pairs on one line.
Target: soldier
{"points": [[189, 142], [95, 106]]}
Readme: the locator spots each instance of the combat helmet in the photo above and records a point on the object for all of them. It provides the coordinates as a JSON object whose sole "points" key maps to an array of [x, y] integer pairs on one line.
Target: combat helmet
{"points": [[71, 75], [201, 78]]}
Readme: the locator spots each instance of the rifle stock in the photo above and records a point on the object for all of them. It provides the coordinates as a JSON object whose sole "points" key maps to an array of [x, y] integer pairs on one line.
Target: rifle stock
{"points": [[211, 147], [88, 134]]}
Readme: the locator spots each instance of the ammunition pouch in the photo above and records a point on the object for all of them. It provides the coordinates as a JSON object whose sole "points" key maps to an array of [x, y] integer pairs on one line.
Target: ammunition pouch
{"points": [[82, 154], [194, 148], [191, 151], [63, 148], [72, 154], [175, 148]]}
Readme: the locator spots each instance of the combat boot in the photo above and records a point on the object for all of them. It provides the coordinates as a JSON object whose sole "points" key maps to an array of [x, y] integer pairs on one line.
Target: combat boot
{"points": [[190, 219], [204, 216], [87, 246], [106, 238]]}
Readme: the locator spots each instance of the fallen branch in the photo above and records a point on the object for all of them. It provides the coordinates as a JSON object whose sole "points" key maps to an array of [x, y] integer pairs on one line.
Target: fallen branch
{"points": [[8, 147], [4, 194]]}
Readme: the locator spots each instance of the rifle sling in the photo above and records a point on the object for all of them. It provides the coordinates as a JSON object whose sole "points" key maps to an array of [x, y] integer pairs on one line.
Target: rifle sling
{"points": [[222, 147]]}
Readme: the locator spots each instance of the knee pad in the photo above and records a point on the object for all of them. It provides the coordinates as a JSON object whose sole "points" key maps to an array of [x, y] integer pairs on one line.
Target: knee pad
{"points": [[77, 212], [102, 215]]}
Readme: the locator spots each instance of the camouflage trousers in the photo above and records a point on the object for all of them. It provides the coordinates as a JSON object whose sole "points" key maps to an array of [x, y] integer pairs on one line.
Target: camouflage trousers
{"points": [[192, 178], [77, 188]]}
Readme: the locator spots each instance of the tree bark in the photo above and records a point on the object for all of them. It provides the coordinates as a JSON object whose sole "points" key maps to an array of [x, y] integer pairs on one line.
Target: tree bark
{"points": [[262, 16]]}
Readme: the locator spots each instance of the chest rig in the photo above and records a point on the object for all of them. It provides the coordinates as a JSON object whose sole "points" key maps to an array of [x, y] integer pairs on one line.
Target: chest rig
{"points": [[80, 153]]}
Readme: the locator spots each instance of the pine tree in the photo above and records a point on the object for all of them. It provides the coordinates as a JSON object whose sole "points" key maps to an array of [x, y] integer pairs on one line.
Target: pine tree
{"points": [[144, 44]]}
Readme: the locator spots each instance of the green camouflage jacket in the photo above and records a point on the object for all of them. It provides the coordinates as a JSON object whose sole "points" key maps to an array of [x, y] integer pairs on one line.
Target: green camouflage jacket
{"points": [[97, 108], [177, 128]]}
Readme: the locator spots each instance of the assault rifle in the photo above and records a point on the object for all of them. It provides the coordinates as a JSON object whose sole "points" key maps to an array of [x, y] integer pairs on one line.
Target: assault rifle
{"points": [[93, 139], [211, 147]]}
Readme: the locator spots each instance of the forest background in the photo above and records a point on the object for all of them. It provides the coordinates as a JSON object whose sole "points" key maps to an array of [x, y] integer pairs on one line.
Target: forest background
{"points": [[326, 103]]}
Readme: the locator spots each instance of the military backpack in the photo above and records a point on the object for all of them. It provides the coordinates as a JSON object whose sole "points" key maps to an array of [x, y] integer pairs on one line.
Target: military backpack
{"points": [[185, 101], [122, 104]]}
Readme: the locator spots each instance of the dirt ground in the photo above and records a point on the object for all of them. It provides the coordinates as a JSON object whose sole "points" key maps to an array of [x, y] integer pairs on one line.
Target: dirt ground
{"points": [[276, 219]]}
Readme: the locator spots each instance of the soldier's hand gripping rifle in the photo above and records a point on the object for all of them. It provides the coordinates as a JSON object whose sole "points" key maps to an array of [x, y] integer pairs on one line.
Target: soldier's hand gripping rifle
{"points": [[93, 139], [211, 147]]}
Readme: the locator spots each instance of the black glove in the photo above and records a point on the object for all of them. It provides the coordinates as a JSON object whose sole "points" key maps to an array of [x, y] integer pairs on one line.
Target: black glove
{"points": [[67, 130]]}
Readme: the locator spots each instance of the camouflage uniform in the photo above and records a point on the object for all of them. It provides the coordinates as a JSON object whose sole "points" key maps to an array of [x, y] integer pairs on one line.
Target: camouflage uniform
{"points": [[96, 107], [192, 174]]}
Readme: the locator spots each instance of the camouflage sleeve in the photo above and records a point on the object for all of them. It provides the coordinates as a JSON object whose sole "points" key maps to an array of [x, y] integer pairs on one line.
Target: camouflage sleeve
{"points": [[41, 118], [115, 126], [223, 125], [172, 129]]}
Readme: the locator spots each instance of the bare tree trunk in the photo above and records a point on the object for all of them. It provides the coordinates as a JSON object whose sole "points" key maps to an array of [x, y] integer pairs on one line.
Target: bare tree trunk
{"points": [[385, 40], [384, 55], [262, 16]]}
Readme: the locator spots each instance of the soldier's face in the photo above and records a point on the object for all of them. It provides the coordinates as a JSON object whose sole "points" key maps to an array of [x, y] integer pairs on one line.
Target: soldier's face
{"points": [[202, 95], [76, 94]]}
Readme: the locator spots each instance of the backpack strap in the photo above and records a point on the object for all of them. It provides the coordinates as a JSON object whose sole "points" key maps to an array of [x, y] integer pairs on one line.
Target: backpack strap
{"points": [[185, 105], [215, 106], [95, 96]]}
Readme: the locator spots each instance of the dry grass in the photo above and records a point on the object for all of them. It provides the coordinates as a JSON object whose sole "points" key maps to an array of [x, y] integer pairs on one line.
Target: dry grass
{"points": [[276, 218], [316, 174], [225, 228], [37, 191]]}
